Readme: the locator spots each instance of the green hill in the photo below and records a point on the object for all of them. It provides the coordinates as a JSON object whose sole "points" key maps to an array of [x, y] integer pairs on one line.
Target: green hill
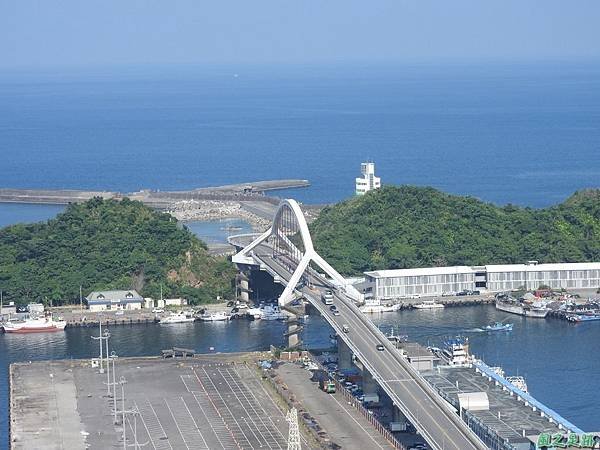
{"points": [[406, 226], [108, 244]]}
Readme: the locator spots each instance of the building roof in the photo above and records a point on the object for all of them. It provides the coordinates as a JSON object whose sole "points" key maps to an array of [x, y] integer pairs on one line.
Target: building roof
{"points": [[99, 297], [488, 268], [420, 271], [542, 267]]}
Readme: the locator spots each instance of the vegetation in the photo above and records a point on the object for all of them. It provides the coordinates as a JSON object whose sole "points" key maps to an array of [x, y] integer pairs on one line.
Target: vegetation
{"points": [[405, 227], [108, 244]]}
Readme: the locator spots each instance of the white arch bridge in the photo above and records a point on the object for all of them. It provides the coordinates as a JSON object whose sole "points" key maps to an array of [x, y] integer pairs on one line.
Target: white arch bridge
{"points": [[286, 251]]}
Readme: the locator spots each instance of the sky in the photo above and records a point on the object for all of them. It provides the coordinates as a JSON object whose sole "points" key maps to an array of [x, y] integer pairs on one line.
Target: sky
{"points": [[82, 33]]}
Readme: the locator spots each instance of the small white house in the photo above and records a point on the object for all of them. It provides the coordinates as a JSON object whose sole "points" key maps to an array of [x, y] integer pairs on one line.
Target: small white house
{"points": [[176, 301], [114, 300]]}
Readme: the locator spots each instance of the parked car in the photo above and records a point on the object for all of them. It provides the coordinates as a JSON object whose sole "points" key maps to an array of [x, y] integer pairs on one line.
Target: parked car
{"points": [[158, 310], [461, 293], [119, 312], [474, 293]]}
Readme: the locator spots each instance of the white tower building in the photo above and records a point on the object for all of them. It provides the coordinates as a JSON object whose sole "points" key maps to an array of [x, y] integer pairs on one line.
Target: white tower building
{"points": [[368, 181]]}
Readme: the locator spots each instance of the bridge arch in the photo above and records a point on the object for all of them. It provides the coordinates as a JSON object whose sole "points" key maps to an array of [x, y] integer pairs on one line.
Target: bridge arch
{"points": [[291, 244]]}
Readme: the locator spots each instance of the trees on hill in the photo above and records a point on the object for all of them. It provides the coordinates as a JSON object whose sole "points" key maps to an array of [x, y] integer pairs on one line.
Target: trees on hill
{"points": [[407, 226], [108, 244]]}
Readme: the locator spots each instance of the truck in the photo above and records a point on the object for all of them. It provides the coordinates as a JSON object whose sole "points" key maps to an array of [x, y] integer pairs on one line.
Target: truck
{"points": [[327, 386], [398, 426], [371, 398], [327, 297]]}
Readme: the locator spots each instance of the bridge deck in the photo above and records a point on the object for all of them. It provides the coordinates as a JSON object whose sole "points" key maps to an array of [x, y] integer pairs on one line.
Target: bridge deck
{"points": [[434, 418]]}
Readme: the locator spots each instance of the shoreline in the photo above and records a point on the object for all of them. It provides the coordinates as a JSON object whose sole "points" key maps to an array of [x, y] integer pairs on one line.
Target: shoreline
{"points": [[213, 210]]}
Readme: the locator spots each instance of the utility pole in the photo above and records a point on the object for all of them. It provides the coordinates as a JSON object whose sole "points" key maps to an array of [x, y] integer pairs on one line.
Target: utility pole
{"points": [[113, 357], [100, 338], [106, 337], [80, 298]]}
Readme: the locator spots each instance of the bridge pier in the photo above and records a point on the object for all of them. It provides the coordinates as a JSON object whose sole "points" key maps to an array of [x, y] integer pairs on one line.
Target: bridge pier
{"points": [[243, 287], [369, 385], [293, 334], [344, 355], [397, 415]]}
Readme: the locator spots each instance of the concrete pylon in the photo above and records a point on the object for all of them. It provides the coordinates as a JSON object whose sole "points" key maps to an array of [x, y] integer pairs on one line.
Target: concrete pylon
{"points": [[344, 355], [397, 415], [369, 384], [293, 334]]}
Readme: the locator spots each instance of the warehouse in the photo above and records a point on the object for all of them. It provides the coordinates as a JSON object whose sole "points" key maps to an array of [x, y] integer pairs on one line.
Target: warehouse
{"points": [[435, 281]]}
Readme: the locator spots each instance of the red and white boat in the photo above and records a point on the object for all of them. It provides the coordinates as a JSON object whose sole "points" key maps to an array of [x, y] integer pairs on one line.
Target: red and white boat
{"points": [[34, 325]]}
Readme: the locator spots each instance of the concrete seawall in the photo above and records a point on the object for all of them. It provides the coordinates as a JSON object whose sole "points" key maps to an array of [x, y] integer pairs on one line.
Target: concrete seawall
{"points": [[253, 191]]}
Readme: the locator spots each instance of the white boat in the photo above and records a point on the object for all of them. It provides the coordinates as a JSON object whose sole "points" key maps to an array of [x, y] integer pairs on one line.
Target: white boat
{"points": [[428, 304], [518, 382], [267, 312], [455, 352], [522, 308], [178, 317], [375, 306], [218, 316], [255, 313], [39, 324], [272, 312]]}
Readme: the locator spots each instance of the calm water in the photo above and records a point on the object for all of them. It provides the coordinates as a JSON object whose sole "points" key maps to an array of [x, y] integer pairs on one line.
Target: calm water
{"points": [[528, 135], [523, 134], [558, 360]]}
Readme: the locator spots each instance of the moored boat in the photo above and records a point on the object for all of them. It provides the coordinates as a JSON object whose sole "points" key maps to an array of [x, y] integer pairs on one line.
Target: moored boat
{"points": [[514, 306], [178, 317], [218, 316], [428, 304], [39, 324], [375, 306]]}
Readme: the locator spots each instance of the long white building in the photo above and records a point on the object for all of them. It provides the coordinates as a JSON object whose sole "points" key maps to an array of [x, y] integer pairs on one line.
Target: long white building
{"points": [[392, 284]]}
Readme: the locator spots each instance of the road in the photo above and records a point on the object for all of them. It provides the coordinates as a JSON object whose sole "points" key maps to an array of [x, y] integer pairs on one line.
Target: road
{"points": [[432, 416]]}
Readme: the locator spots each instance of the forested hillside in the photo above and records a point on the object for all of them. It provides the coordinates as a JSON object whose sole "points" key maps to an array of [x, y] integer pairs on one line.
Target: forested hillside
{"points": [[404, 227], [104, 244]]}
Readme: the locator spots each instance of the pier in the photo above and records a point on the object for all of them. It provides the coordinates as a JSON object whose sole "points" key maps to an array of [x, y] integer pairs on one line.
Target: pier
{"points": [[252, 191]]}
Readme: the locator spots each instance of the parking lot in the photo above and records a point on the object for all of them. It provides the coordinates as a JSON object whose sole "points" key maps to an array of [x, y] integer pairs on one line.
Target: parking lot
{"points": [[200, 403]]}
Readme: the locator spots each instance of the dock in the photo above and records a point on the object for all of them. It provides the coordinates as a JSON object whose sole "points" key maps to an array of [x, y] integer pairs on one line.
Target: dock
{"points": [[251, 192]]}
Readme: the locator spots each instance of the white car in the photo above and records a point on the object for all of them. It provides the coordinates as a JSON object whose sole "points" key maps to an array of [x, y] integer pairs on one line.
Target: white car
{"points": [[158, 310]]}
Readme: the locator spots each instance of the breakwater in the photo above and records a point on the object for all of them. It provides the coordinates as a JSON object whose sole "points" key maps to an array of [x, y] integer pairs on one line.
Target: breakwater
{"points": [[252, 191]]}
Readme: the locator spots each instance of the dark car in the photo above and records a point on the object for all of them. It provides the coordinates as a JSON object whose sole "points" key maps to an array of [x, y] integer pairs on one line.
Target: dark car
{"points": [[333, 308], [475, 293], [380, 347], [461, 293]]}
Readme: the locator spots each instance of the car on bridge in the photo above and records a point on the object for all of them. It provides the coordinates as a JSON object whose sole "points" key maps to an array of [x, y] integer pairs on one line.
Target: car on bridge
{"points": [[345, 328], [380, 347]]}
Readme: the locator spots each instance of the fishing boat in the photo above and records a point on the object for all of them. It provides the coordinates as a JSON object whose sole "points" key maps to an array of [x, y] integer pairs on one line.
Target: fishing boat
{"points": [[375, 306], [455, 352], [499, 326], [428, 304], [585, 317], [218, 316], [40, 324], [511, 305], [178, 317]]}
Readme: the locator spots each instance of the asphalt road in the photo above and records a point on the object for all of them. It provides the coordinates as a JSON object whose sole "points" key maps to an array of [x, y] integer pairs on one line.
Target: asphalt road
{"points": [[433, 417]]}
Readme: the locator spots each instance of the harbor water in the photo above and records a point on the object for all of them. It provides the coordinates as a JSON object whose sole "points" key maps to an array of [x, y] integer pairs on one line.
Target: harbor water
{"points": [[557, 359]]}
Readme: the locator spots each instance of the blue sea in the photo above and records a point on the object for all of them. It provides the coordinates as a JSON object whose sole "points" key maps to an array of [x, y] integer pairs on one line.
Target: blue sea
{"points": [[522, 134]]}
